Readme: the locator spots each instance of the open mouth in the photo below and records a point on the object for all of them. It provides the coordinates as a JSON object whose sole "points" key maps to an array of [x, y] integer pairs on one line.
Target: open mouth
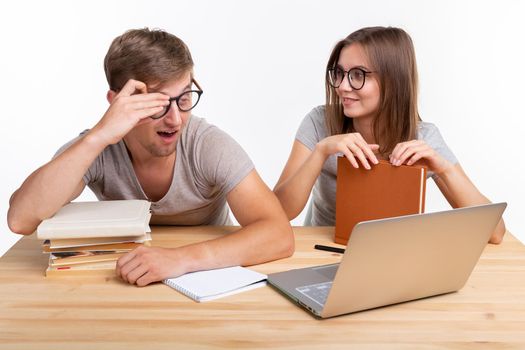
{"points": [[166, 134]]}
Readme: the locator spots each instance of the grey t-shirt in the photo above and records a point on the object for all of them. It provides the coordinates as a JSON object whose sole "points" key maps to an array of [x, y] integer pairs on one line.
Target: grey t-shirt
{"points": [[209, 164], [313, 129]]}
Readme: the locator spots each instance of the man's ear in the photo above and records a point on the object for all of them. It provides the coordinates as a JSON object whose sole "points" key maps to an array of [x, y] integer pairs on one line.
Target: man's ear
{"points": [[110, 96]]}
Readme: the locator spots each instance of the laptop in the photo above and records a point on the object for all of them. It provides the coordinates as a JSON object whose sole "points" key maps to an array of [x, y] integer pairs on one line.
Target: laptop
{"points": [[394, 260]]}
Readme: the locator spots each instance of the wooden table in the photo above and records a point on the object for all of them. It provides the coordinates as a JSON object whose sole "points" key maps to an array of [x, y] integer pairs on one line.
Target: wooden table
{"points": [[103, 312]]}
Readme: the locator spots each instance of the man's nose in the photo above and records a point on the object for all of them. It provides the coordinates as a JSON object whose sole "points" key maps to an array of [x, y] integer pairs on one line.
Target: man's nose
{"points": [[173, 116]]}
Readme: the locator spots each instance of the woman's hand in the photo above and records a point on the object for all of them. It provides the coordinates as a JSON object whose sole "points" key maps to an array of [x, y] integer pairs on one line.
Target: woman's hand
{"points": [[410, 152], [352, 146]]}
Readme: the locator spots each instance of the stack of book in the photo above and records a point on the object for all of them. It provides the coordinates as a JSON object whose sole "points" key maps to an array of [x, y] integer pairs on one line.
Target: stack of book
{"points": [[89, 237]]}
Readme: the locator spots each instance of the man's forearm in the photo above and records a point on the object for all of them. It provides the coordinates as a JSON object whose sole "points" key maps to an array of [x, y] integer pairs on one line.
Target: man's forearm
{"points": [[253, 244], [51, 186]]}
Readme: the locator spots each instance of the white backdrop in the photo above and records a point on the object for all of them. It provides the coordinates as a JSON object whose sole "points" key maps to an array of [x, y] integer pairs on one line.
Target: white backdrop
{"points": [[261, 65]]}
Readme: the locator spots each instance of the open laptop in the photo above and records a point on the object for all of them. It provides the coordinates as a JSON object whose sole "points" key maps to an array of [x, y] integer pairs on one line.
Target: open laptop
{"points": [[394, 260]]}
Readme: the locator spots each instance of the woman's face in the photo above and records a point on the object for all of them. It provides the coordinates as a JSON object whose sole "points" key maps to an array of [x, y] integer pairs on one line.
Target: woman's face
{"points": [[362, 103]]}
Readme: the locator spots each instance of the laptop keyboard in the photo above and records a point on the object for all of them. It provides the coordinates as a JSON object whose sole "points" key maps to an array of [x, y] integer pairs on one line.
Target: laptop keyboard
{"points": [[327, 271], [317, 292]]}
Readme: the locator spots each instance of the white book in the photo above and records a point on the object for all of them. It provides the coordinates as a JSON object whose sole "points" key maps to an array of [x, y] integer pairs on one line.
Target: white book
{"points": [[97, 219], [85, 242], [213, 284]]}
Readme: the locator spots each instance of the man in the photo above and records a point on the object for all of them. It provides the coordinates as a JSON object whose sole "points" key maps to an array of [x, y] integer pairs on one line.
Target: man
{"points": [[148, 146]]}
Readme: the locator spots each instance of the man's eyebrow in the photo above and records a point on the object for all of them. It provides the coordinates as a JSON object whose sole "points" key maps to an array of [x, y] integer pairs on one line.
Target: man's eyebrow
{"points": [[186, 88]]}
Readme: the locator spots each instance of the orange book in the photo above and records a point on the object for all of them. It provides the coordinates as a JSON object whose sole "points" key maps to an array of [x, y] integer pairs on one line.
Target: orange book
{"points": [[382, 192], [97, 269], [84, 258]]}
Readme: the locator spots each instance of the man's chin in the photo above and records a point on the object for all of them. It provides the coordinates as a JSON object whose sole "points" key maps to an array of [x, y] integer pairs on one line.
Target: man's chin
{"points": [[161, 151]]}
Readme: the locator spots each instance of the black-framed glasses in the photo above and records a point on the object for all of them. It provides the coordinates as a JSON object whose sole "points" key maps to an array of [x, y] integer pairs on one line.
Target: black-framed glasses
{"points": [[185, 101], [356, 77]]}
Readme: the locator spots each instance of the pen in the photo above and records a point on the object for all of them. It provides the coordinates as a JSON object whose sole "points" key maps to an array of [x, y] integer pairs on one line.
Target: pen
{"points": [[329, 249]]}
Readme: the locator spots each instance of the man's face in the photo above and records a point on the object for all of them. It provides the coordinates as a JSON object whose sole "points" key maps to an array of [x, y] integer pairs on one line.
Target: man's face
{"points": [[159, 137]]}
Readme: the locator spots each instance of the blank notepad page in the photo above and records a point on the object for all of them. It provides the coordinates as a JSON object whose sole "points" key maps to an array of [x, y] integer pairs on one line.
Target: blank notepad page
{"points": [[213, 284]]}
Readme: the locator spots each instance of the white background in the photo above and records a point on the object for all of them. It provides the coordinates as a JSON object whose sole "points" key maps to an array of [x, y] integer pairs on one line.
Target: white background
{"points": [[261, 65]]}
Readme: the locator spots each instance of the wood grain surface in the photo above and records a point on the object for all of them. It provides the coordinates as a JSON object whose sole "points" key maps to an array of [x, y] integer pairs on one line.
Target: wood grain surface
{"points": [[102, 312]]}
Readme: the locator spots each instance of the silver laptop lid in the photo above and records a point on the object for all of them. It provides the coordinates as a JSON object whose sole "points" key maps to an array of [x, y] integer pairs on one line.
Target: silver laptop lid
{"points": [[399, 259]]}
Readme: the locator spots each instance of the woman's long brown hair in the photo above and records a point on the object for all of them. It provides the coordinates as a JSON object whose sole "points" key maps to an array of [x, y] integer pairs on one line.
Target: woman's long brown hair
{"points": [[391, 55]]}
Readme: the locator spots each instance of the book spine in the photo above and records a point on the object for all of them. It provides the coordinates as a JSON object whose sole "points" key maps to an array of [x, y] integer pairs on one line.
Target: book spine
{"points": [[58, 232], [75, 260]]}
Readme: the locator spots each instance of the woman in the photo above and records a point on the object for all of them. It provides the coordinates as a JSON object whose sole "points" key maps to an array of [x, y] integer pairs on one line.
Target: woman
{"points": [[370, 113]]}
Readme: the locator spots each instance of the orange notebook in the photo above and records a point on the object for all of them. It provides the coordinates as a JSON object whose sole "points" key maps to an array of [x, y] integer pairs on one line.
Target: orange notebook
{"points": [[382, 192]]}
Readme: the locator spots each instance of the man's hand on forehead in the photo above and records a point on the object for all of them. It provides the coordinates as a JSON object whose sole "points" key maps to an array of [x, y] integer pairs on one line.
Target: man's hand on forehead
{"points": [[130, 106], [133, 87]]}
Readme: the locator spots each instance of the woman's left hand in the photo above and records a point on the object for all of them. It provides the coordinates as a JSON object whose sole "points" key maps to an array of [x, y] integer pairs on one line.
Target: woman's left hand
{"points": [[410, 152]]}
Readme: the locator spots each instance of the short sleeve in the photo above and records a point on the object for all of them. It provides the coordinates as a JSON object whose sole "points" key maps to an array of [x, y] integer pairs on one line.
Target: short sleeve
{"points": [[94, 173], [312, 128], [429, 133], [221, 161]]}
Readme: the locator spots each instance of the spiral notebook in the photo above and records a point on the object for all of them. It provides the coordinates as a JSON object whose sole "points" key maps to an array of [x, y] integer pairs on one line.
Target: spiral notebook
{"points": [[213, 284]]}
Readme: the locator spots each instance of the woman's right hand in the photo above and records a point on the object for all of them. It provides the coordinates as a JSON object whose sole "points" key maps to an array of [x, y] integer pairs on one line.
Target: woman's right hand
{"points": [[352, 145], [304, 166]]}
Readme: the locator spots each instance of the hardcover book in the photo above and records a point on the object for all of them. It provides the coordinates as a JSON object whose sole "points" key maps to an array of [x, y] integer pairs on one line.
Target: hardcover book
{"points": [[86, 242], [97, 219], [87, 238], [98, 269], [382, 192], [56, 259]]}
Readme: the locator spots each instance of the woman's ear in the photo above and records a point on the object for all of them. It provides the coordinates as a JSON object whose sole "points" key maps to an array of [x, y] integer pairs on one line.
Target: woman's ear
{"points": [[110, 96]]}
